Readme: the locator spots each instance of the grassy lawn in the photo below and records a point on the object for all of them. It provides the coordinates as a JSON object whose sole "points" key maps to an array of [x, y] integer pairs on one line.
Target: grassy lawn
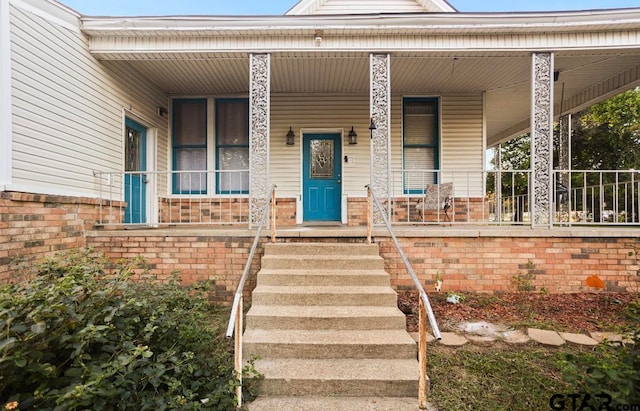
{"points": [[499, 377], [525, 377]]}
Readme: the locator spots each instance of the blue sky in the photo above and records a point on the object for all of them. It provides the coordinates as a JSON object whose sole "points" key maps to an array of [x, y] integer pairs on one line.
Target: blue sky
{"points": [[278, 7]]}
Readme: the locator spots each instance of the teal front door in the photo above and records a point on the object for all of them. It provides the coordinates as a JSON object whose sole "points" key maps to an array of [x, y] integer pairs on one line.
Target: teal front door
{"points": [[322, 177], [135, 167]]}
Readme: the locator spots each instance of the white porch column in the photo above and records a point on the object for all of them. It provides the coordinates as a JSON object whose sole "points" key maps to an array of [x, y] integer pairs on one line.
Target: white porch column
{"points": [[380, 109], [5, 96], [259, 124], [541, 139]]}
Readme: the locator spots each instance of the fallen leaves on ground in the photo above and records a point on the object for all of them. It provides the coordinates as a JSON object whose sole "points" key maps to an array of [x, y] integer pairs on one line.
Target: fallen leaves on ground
{"points": [[580, 312]]}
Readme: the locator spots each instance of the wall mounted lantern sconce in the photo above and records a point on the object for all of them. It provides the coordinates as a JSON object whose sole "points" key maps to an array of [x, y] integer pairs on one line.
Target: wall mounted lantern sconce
{"points": [[163, 112], [290, 137], [317, 38], [353, 137], [372, 127]]}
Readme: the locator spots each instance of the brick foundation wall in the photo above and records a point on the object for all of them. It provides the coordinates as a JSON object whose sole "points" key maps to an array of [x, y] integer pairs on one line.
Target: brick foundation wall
{"points": [[489, 264], [357, 211], [33, 226], [464, 210], [197, 258], [468, 264], [286, 212], [204, 210], [222, 211]]}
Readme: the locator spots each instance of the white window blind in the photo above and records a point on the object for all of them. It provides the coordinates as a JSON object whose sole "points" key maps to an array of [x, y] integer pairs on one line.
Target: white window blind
{"points": [[190, 146], [420, 143], [232, 145]]}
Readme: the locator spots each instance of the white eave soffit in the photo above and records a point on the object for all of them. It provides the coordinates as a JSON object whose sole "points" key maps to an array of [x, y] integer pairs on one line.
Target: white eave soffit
{"points": [[306, 7], [447, 23]]}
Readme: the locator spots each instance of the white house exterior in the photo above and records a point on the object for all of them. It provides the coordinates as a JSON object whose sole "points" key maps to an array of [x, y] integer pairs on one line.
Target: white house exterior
{"points": [[215, 97]]}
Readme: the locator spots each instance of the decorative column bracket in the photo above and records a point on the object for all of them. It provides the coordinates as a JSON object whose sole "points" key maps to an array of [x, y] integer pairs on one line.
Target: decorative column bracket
{"points": [[259, 124]]}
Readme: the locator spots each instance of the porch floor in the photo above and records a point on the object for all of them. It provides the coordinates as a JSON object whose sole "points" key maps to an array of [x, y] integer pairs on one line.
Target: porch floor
{"points": [[343, 231]]}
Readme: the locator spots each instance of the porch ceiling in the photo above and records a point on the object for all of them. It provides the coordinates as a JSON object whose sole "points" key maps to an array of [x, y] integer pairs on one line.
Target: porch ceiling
{"points": [[586, 76]]}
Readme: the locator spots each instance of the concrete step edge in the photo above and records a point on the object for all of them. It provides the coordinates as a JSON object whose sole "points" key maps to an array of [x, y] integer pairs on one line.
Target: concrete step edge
{"points": [[322, 271], [323, 311], [339, 369], [318, 257], [321, 248], [331, 337], [327, 403], [324, 289]]}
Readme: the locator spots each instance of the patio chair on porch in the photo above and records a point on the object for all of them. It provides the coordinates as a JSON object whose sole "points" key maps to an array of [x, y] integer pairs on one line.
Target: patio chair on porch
{"points": [[436, 197]]}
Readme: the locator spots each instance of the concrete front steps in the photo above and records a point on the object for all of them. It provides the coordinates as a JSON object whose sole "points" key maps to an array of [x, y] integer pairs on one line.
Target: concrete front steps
{"points": [[325, 324], [336, 404]]}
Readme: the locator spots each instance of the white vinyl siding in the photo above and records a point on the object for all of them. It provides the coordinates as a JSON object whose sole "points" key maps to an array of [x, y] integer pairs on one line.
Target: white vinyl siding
{"points": [[461, 146], [319, 112], [68, 108]]}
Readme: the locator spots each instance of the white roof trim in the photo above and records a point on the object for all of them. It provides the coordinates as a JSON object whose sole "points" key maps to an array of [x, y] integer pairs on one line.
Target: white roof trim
{"points": [[375, 23], [305, 7]]}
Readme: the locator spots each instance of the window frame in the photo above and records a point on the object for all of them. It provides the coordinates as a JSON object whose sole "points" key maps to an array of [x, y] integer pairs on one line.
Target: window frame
{"points": [[175, 147], [435, 145], [218, 146]]}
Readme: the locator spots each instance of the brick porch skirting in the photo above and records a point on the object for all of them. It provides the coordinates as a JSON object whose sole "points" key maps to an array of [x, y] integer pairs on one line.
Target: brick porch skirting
{"points": [[468, 263], [468, 259]]}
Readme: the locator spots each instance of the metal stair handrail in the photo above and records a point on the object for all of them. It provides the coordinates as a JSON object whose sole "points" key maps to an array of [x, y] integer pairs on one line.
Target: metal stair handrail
{"points": [[425, 305], [235, 318]]}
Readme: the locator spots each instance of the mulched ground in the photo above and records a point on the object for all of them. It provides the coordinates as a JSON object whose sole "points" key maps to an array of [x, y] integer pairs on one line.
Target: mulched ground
{"points": [[581, 312]]}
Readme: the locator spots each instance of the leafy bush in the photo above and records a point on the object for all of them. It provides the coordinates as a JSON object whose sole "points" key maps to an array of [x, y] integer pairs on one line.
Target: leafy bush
{"points": [[613, 369], [83, 335]]}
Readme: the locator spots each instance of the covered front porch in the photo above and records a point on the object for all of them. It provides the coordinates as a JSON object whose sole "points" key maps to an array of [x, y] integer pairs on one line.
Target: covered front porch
{"points": [[409, 106]]}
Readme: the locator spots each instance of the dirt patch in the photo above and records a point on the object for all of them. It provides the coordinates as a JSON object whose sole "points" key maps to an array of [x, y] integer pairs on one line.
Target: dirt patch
{"points": [[581, 312]]}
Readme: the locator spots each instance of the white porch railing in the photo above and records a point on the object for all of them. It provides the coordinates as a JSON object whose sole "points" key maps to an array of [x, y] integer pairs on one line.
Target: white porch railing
{"points": [[491, 197], [587, 197], [174, 197], [418, 197]]}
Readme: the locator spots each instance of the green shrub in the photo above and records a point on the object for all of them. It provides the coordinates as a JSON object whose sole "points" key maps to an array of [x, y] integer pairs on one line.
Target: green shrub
{"points": [[613, 369], [83, 335]]}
